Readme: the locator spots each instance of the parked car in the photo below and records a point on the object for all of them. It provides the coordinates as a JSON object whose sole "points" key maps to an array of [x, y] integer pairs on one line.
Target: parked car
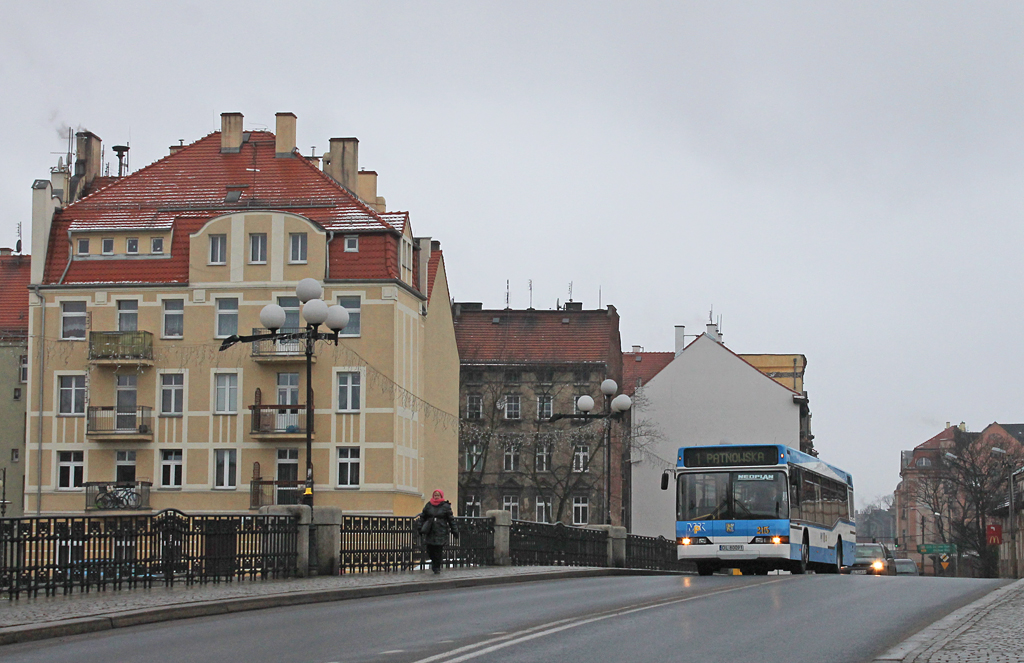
{"points": [[873, 559], [907, 567]]}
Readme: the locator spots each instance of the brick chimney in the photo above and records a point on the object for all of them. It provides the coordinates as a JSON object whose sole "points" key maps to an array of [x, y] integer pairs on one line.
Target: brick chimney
{"points": [[230, 133], [285, 146], [680, 338]]}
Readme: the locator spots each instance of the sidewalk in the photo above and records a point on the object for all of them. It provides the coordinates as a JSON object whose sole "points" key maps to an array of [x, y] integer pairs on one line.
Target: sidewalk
{"points": [[989, 630], [57, 616]]}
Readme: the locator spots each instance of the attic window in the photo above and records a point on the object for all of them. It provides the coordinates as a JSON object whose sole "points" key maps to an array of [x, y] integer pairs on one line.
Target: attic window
{"points": [[495, 321], [565, 321], [233, 196]]}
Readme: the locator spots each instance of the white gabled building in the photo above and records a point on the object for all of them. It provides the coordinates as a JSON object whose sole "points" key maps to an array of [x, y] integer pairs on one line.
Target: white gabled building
{"points": [[705, 395]]}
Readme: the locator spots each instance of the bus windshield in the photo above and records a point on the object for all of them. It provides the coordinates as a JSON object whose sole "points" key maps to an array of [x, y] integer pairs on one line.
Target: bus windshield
{"points": [[747, 495]]}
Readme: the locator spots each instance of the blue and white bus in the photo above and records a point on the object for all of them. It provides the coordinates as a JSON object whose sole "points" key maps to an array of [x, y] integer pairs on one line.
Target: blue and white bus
{"points": [[760, 508]]}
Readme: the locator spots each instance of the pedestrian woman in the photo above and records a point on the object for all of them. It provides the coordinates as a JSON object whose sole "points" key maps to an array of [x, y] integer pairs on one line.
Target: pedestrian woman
{"points": [[437, 521]]}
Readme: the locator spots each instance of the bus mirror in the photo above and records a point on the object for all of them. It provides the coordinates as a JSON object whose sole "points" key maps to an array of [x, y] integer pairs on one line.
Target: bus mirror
{"points": [[664, 481]]}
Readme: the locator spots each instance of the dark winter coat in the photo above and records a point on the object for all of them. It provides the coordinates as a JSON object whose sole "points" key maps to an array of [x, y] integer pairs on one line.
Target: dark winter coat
{"points": [[442, 521]]}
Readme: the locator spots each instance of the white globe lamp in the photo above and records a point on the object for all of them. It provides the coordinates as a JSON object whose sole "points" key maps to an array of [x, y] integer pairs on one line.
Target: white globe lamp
{"points": [[272, 317]]}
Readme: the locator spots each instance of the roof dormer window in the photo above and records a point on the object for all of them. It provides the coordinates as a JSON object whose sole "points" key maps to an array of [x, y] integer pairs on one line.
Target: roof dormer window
{"points": [[83, 246], [108, 246]]}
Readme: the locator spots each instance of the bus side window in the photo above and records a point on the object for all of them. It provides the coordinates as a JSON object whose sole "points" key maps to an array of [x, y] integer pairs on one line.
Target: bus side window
{"points": [[794, 492]]}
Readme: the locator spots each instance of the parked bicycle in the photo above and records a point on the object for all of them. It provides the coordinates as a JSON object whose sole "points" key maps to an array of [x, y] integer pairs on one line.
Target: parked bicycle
{"points": [[118, 497]]}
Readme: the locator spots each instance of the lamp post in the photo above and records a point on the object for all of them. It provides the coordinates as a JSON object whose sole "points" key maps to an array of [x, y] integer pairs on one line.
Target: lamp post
{"points": [[614, 408], [1012, 515], [315, 312]]}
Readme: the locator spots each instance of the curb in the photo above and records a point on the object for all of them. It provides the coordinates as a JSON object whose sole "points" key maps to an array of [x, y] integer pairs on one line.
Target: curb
{"points": [[936, 635], [78, 626]]}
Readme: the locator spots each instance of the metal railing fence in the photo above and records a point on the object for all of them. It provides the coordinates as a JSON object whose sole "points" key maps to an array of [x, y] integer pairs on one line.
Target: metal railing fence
{"points": [[117, 495], [127, 345], [114, 420], [63, 555], [654, 553], [541, 544], [391, 543], [270, 492], [278, 419]]}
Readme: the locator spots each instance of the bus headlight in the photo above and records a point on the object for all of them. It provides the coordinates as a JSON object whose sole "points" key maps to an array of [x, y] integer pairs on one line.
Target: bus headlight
{"points": [[686, 541], [776, 540]]}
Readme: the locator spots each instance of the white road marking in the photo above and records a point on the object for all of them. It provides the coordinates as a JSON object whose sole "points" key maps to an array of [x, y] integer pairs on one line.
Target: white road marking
{"points": [[392, 651], [562, 625]]}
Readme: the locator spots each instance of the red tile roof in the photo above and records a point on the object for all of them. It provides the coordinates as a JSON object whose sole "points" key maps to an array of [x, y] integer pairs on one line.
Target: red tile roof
{"points": [[642, 366], [436, 258], [537, 336], [15, 273], [188, 187]]}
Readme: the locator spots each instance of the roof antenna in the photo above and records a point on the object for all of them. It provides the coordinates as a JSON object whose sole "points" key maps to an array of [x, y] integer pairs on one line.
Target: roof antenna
{"points": [[599, 300], [531, 286], [506, 294], [570, 291]]}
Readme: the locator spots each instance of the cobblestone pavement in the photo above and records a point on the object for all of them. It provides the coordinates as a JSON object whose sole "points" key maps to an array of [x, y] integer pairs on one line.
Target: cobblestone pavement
{"points": [[42, 610], [990, 630]]}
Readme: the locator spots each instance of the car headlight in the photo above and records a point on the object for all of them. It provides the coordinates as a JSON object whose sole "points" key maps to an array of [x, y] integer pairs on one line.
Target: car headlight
{"points": [[877, 565]]}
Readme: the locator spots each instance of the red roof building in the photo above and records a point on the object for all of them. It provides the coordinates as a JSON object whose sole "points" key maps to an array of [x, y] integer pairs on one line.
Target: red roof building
{"points": [[144, 276]]}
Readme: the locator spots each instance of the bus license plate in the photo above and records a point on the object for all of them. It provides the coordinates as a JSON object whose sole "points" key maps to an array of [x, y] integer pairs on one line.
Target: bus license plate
{"points": [[731, 546]]}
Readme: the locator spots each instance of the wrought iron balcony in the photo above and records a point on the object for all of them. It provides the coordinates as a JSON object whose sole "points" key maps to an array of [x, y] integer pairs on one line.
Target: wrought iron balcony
{"points": [[117, 495], [270, 492], [278, 420], [119, 422], [279, 351], [116, 347]]}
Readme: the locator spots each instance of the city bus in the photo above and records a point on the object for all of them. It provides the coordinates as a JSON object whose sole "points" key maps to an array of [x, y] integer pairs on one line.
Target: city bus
{"points": [[759, 508]]}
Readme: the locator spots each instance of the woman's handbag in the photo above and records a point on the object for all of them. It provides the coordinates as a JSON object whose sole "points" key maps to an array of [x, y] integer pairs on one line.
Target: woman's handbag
{"points": [[427, 525]]}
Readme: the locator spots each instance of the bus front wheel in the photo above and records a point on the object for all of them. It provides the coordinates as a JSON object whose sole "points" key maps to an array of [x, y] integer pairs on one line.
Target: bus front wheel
{"points": [[705, 568], [800, 567]]}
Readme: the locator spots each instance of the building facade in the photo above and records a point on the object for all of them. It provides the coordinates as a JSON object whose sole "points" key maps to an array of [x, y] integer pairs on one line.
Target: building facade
{"points": [[705, 394], [520, 369], [138, 280], [14, 278]]}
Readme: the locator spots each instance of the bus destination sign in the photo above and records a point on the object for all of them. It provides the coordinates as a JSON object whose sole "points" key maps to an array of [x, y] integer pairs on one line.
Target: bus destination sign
{"points": [[732, 457]]}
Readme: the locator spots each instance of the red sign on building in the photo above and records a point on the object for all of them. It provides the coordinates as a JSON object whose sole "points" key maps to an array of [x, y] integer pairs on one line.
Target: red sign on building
{"points": [[994, 534]]}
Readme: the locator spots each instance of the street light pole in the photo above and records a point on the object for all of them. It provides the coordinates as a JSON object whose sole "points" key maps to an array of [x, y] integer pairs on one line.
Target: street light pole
{"points": [[316, 312]]}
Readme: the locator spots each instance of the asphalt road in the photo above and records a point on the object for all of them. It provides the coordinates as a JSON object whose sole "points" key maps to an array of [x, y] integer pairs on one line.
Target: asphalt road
{"points": [[663, 618]]}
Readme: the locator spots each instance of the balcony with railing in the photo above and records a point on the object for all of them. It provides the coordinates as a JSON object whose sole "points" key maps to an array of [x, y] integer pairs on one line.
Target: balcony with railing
{"points": [[119, 423], [117, 495], [278, 421], [290, 350], [117, 348], [271, 492]]}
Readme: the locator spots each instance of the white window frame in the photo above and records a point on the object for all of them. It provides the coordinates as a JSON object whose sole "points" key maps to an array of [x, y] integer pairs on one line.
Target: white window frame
{"points": [[126, 312], [107, 246], [176, 391], [23, 369], [125, 459], [474, 456], [349, 462], [257, 248], [580, 510], [175, 465], [83, 246], [351, 243], [542, 452], [545, 406], [218, 313], [74, 462], [65, 316], [129, 248], [351, 389], [513, 407], [156, 245], [581, 458], [355, 315], [472, 506], [511, 457], [225, 393], [510, 503], [225, 469], [543, 511], [172, 313], [79, 394], [298, 248], [474, 406], [218, 254]]}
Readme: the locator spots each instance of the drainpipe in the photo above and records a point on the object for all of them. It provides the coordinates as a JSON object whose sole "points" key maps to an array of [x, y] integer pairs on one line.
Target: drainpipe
{"points": [[327, 262], [71, 254], [39, 424]]}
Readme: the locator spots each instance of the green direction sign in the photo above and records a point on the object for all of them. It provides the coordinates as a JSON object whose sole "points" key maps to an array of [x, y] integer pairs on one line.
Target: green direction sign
{"points": [[937, 548]]}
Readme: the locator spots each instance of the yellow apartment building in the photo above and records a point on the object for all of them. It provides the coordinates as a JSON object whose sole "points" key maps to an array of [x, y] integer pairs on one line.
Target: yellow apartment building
{"points": [[137, 280]]}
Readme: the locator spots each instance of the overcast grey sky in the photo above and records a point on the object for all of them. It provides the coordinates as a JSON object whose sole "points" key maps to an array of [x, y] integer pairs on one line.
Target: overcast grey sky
{"points": [[841, 180]]}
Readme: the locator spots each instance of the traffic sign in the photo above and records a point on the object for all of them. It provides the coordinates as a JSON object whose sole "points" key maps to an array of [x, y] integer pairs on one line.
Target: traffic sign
{"points": [[937, 548]]}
